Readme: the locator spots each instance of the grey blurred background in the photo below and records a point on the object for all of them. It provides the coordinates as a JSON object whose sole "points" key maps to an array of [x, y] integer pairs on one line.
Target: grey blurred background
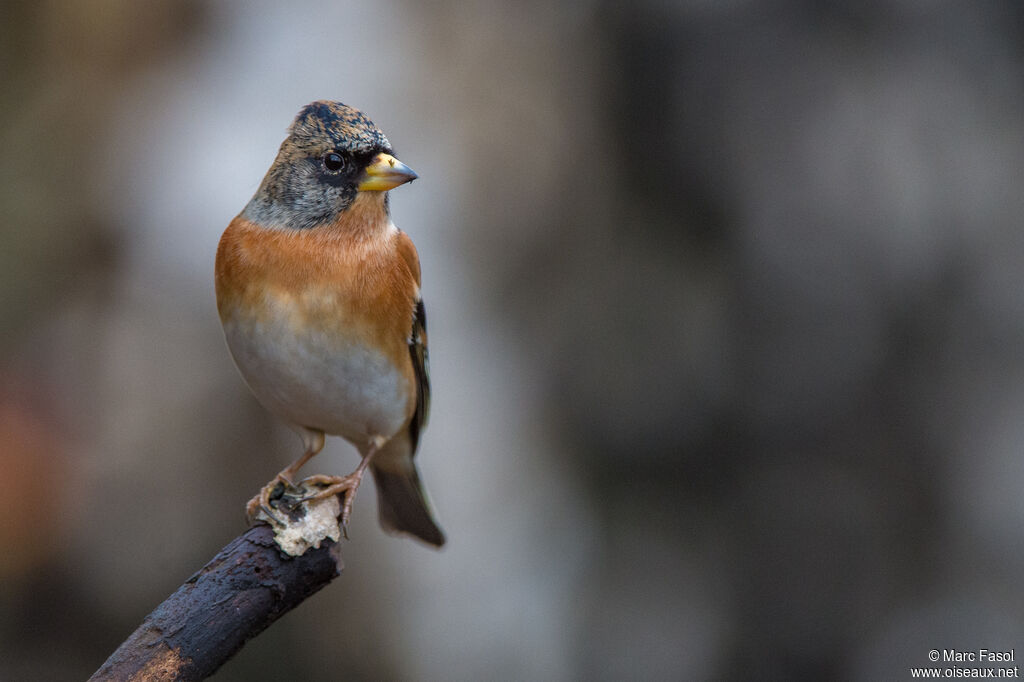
{"points": [[726, 326]]}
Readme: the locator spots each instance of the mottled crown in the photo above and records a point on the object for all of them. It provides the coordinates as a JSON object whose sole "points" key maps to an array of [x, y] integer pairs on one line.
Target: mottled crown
{"points": [[347, 128]]}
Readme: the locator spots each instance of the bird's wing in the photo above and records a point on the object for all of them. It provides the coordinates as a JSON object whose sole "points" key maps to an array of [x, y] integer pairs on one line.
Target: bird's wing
{"points": [[421, 367], [417, 343]]}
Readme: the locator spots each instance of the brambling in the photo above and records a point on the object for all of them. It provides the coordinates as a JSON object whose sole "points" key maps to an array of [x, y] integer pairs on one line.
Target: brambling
{"points": [[319, 296]]}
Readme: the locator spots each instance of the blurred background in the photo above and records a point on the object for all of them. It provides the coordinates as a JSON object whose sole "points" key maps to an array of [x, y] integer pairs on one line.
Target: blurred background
{"points": [[726, 321]]}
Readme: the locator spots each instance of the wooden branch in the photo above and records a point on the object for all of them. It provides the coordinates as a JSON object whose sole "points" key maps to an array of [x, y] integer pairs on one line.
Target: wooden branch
{"points": [[246, 587]]}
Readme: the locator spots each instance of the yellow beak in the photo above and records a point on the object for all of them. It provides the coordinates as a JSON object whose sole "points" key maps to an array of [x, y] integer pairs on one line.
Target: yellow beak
{"points": [[385, 172]]}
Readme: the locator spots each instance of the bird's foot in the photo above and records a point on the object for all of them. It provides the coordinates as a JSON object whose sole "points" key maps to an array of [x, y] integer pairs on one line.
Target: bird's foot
{"points": [[298, 519], [345, 486], [265, 504]]}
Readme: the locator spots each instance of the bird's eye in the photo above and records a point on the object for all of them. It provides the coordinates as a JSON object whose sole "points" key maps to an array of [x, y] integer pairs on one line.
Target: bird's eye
{"points": [[333, 161]]}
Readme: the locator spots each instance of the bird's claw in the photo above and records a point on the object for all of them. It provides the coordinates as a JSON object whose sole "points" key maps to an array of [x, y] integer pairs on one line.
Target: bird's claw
{"points": [[267, 505], [264, 502], [345, 486]]}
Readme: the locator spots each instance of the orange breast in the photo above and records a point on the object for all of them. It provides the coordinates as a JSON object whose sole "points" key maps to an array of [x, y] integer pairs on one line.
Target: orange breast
{"points": [[348, 284]]}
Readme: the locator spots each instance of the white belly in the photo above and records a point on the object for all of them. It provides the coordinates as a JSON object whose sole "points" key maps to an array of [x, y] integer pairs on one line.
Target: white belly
{"points": [[311, 380]]}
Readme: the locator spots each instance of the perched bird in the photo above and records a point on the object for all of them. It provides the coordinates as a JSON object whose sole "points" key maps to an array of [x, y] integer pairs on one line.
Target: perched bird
{"points": [[319, 296]]}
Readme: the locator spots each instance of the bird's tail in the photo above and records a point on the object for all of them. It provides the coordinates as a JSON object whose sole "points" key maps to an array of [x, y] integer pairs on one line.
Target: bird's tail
{"points": [[401, 499]]}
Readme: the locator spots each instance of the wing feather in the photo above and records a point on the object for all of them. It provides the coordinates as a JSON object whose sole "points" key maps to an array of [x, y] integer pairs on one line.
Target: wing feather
{"points": [[421, 368]]}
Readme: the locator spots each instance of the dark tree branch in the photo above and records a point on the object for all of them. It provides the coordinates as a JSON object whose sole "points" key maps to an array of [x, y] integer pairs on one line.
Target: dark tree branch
{"points": [[245, 588]]}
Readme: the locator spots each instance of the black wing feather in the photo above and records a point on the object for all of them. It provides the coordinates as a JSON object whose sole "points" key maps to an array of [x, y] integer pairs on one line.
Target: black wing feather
{"points": [[421, 367]]}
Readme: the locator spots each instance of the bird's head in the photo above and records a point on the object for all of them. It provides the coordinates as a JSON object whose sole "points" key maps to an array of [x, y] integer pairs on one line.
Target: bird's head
{"points": [[333, 153]]}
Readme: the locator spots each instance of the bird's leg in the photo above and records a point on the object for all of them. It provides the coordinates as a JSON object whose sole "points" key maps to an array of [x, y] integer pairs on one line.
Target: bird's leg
{"points": [[337, 485], [314, 442]]}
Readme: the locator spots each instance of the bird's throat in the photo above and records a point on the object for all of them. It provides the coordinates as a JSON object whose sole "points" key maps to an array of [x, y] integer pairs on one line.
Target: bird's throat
{"points": [[367, 217]]}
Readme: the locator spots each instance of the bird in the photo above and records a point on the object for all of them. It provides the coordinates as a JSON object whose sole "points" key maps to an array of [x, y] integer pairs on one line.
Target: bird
{"points": [[318, 293]]}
